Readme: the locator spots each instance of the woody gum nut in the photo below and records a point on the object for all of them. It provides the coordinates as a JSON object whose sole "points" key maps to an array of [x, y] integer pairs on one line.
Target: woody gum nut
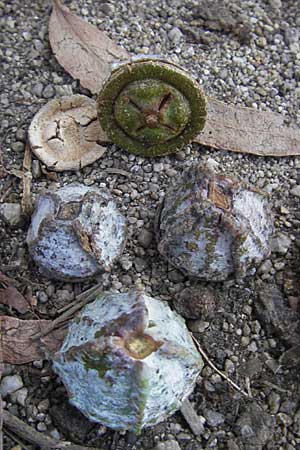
{"points": [[65, 133], [151, 107], [128, 361], [211, 226], [76, 232]]}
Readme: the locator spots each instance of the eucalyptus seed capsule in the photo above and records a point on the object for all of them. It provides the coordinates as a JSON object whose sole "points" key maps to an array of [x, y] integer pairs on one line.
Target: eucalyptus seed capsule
{"points": [[128, 361], [151, 107], [76, 232], [211, 226]]}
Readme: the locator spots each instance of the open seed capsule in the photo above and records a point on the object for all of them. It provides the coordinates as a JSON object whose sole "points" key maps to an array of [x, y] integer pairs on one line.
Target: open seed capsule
{"points": [[76, 232], [211, 226], [128, 361], [151, 107]]}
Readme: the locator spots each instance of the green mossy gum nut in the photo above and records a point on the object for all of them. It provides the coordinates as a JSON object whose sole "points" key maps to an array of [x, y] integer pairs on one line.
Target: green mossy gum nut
{"points": [[151, 107]]}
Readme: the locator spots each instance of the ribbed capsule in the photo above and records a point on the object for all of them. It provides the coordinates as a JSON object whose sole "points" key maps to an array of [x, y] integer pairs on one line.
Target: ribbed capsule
{"points": [[211, 226], [76, 232], [128, 361]]}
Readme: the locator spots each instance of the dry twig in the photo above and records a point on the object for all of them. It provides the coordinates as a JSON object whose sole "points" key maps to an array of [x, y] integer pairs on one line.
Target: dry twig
{"points": [[29, 434], [222, 374], [81, 300], [115, 171], [14, 438], [27, 178]]}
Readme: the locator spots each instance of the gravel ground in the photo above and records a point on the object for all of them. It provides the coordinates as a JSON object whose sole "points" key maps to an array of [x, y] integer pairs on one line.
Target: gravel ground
{"points": [[246, 53]]}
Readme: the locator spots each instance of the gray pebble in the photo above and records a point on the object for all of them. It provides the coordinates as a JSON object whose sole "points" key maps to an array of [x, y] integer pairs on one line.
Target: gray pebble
{"points": [[195, 422], [41, 416], [41, 426], [274, 402], [126, 280], [252, 347], [36, 169], [50, 290], [295, 191], [176, 276], [213, 418], [125, 262], [280, 243], [229, 366], [198, 326], [140, 264], [145, 238], [42, 297], [37, 89], [291, 36], [49, 91], [63, 90], [18, 147], [10, 384], [265, 267], [11, 213], [21, 135], [168, 445], [175, 35], [43, 406], [158, 167], [38, 364], [276, 4], [20, 396], [171, 172], [64, 295], [107, 9], [54, 433]]}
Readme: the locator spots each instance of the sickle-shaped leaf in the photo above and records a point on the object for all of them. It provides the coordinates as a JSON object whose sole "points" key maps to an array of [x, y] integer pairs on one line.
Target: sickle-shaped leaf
{"points": [[84, 51], [246, 130]]}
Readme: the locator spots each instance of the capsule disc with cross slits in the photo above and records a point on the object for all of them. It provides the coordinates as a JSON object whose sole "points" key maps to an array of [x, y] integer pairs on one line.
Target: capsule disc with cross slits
{"points": [[151, 107]]}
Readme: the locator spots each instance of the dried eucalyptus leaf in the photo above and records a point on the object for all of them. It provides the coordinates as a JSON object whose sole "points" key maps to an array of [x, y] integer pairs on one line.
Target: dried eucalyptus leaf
{"points": [[246, 130], [12, 297], [18, 345], [84, 51]]}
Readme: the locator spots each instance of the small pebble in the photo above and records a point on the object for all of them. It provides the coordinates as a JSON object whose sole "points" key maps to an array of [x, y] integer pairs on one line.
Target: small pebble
{"points": [[145, 238], [10, 384], [20, 396], [11, 213]]}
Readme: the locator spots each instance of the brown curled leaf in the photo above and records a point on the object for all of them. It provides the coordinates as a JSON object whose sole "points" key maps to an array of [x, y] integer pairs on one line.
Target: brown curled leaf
{"points": [[84, 51], [18, 345], [246, 130], [12, 297]]}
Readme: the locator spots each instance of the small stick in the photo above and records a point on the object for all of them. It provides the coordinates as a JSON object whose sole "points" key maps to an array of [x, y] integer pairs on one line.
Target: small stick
{"points": [[17, 440], [247, 381], [24, 431], [8, 190], [222, 374], [26, 202], [86, 297], [118, 172], [275, 386], [79, 298]]}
